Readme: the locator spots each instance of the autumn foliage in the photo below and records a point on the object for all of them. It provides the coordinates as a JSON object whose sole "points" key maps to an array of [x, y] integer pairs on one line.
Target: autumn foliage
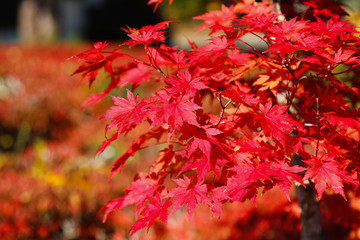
{"points": [[226, 118]]}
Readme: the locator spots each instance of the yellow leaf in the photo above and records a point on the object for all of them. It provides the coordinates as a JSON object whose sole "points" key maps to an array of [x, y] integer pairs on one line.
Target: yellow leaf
{"points": [[275, 83], [261, 80]]}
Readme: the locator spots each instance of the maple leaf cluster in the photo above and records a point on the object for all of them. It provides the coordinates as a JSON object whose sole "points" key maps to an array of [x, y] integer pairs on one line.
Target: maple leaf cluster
{"points": [[290, 99]]}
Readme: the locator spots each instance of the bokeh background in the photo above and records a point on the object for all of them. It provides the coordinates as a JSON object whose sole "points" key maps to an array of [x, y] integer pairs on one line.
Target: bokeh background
{"points": [[52, 183]]}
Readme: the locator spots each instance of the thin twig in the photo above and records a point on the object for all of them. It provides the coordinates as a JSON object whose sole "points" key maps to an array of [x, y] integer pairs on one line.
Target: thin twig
{"points": [[222, 109], [261, 38], [345, 71], [317, 126], [153, 63], [255, 51], [295, 81]]}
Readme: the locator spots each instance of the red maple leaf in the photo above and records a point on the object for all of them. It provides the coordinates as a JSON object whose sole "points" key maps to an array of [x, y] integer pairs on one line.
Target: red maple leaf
{"points": [[126, 114], [291, 30], [241, 95], [107, 142], [155, 209], [340, 57], [185, 85], [110, 206], [93, 99], [330, 28], [250, 145], [219, 195], [275, 122], [325, 8], [223, 17], [238, 58], [257, 22], [285, 175], [213, 49], [325, 171], [342, 122], [137, 193], [135, 76], [174, 55], [201, 139], [202, 167], [172, 111], [140, 190], [135, 146], [93, 62], [147, 35], [188, 194], [157, 2], [245, 180]]}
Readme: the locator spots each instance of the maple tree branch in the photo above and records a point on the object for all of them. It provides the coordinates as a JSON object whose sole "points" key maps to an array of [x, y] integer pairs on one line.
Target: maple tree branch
{"points": [[311, 228], [137, 60]]}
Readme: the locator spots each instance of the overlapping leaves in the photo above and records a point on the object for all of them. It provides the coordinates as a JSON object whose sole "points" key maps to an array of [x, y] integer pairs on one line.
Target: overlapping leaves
{"points": [[267, 106]]}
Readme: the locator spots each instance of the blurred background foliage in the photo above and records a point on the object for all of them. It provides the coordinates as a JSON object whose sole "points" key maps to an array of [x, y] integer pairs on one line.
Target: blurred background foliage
{"points": [[52, 182], [185, 10], [94, 20]]}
